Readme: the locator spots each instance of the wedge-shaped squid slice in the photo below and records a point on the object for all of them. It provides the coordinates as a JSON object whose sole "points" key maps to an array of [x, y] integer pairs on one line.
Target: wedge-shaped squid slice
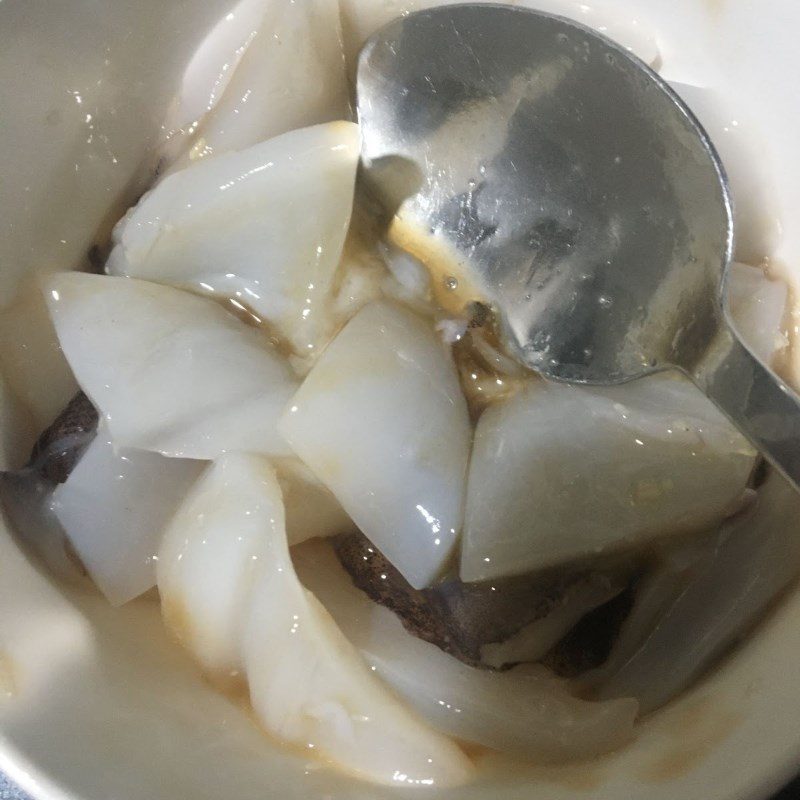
{"points": [[310, 687], [382, 422], [267, 67], [213, 63], [230, 594], [704, 597], [560, 472], [169, 371], [208, 560], [264, 227], [114, 508], [528, 712]]}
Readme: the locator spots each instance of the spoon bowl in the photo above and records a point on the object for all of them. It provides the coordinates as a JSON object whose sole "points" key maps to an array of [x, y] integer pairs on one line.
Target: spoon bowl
{"points": [[562, 182]]}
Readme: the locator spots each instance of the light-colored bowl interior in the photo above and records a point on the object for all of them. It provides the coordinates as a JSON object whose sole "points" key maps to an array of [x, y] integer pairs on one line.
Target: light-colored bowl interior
{"points": [[95, 702]]}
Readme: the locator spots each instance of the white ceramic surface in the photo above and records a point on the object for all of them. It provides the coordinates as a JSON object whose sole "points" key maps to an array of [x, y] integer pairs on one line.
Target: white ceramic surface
{"points": [[94, 701]]}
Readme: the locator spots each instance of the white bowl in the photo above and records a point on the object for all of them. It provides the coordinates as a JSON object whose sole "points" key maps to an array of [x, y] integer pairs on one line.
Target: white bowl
{"points": [[95, 702]]}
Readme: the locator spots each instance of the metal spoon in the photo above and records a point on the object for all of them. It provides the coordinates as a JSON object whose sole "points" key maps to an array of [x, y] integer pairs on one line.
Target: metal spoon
{"points": [[542, 168]]}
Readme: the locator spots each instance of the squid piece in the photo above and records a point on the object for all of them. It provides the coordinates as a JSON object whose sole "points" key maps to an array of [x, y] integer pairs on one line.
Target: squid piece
{"points": [[264, 227], [169, 371], [310, 686], [267, 67], [114, 508], [381, 421], [231, 595], [208, 560], [704, 597], [561, 472]]}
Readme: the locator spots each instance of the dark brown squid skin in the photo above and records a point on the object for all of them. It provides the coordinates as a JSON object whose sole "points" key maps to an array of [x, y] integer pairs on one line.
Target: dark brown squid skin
{"points": [[460, 618], [59, 447]]}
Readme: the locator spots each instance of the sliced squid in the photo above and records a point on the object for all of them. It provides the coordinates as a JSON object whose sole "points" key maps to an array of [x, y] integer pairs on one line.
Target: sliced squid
{"points": [[526, 712], [208, 560], [561, 472], [114, 508], [655, 593], [264, 227], [310, 687], [267, 67], [695, 610], [212, 65], [230, 594], [382, 422], [169, 371]]}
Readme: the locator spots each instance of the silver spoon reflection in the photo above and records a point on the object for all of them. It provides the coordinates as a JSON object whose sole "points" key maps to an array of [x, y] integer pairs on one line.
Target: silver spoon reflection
{"points": [[545, 170]]}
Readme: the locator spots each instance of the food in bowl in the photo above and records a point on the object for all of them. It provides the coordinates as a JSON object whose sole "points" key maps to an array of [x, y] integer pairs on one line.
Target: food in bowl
{"points": [[357, 508]]}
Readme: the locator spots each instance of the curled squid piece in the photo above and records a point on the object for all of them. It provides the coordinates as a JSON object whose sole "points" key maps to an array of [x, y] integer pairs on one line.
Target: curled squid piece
{"points": [[231, 595], [208, 560], [264, 227], [703, 597], [267, 67], [562, 472], [169, 371], [382, 422], [527, 711], [311, 687]]}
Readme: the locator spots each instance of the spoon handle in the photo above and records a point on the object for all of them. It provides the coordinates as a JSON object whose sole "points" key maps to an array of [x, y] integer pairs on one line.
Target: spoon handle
{"points": [[764, 408]]}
